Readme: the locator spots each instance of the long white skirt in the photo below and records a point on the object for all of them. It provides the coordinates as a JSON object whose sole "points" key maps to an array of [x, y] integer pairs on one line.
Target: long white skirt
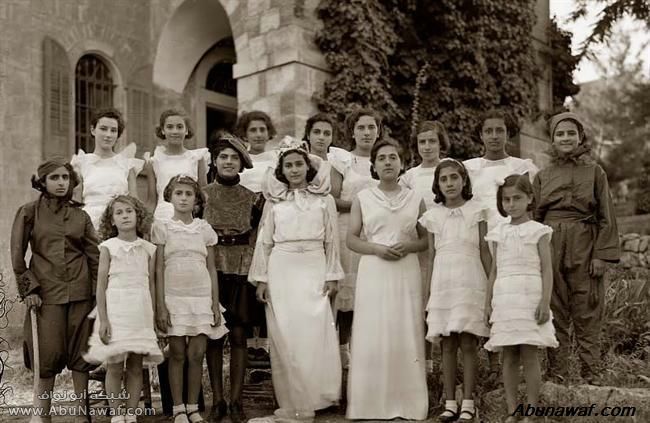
{"points": [[387, 372], [305, 361]]}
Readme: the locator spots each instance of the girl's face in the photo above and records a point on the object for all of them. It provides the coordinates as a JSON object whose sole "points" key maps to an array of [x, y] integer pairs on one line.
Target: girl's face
{"points": [[124, 216], [320, 137], [257, 135], [494, 135], [566, 137], [515, 202], [105, 133], [175, 130], [57, 182], [294, 168], [228, 163], [183, 198], [428, 145], [451, 183], [387, 163], [366, 132]]}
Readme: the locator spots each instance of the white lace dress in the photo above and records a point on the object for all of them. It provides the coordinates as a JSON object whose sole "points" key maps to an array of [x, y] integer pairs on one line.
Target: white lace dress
{"points": [[458, 282], [104, 178], [166, 166], [518, 288], [188, 287], [129, 307]]}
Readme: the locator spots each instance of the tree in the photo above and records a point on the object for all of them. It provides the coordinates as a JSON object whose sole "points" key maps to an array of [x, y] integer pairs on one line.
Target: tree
{"points": [[563, 63], [612, 12]]}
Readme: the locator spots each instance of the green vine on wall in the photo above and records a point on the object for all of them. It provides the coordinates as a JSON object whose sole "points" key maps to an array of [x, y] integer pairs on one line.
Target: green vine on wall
{"points": [[480, 55]]}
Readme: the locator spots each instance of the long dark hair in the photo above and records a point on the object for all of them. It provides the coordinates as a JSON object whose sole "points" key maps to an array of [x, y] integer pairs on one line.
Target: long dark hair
{"points": [[466, 192], [520, 182], [311, 171]]}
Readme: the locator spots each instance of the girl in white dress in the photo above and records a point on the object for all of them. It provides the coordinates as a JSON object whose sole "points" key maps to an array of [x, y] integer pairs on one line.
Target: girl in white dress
{"points": [[187, 302], [460, 263], [387, 375], [124, 331], [296, 266], [319, 135], [105, 174], [364, 128], [256, 130], [495, 128], [519, 292], [173, 159]]}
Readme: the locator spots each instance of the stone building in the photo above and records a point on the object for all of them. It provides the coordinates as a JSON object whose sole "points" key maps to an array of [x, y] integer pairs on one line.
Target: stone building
{"points": [[59, 59]]}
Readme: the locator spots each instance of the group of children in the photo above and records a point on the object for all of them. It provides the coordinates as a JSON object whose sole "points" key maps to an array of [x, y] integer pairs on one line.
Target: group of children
{"points": [[309, 238]]}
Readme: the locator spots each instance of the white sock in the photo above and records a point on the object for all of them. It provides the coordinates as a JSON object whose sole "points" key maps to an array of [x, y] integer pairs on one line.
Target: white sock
{"points": [[450, 405], [467, 405], [178, 409]]}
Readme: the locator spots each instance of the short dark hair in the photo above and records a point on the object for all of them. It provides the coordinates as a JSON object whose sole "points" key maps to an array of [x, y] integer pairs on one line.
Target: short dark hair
{"points": [[439, 128], [200, 199], [466, 192], [520, 182], [512, 126], [385, 142], [313, 120], [174, 112], [311, 171], [247, 117], [40, 185], [109, 113], [353, 117]]}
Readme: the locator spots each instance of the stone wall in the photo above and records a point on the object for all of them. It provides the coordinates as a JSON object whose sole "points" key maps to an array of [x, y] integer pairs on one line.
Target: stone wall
{"points": [[635, 251]]}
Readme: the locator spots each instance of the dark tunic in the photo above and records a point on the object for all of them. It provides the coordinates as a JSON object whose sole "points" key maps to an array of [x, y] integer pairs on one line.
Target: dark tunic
{"points": [[63, 271], [573, 197]]}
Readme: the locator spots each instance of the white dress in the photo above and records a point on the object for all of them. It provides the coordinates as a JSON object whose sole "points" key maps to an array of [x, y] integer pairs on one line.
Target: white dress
{"points": [[458, 282], [166, 166], [104, 178], [188, 287], [129, 307], [387, 374], [356, 176], [305, 361], [485, 176], [253, 178], [518, 288]]}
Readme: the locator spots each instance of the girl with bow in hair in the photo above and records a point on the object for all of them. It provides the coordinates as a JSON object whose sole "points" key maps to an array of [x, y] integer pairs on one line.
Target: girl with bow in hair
{"points": [[59, 280]]}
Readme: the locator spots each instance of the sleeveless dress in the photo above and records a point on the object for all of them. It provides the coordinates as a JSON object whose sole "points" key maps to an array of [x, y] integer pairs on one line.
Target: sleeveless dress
{"points": [[104, 178], [166, 166], [129, 307], [518, 288], [485, 176], [356, 176], [253, 178], [458, 282], [387, 373], [188, 287]]}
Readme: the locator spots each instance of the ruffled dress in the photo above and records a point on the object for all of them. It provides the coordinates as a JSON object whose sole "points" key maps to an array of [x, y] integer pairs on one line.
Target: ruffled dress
{"points": [[356, 176], [129, 307], [188, 287], [518, 288], [104, 178], [487, 174], [166, 166], [253, 178], [387, 374], [458, 282], [299, 229]]}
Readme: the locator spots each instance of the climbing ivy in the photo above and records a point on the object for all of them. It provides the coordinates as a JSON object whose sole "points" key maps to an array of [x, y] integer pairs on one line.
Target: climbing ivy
{"points": [[477, 54], [563, 63]]}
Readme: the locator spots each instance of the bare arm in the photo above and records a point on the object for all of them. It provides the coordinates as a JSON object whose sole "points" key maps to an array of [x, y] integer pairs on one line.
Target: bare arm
{"points": [[162, 314], [356, 244], [542, 313], [102, 282], [133, 184], [203, 173], [490, 286], [152, 283], [212, 271], [152, 194]]}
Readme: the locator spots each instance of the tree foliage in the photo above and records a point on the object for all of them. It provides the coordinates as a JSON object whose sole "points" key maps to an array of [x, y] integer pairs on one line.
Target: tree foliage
{"points": [[563, 63], [477, 54], [613, 11]]}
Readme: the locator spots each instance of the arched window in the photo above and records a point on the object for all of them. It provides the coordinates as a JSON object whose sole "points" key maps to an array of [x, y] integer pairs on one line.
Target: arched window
{"points": [[220, 79], [93, 91]]}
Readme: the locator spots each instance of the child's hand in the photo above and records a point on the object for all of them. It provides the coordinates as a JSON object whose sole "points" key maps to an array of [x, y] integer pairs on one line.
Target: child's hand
{"points": [[596, 268], [163, 320], [329, 288], [387, 253], [262, 292], [105, 332], [400, 248], [543, 313], [216, 311], [487, 313]]}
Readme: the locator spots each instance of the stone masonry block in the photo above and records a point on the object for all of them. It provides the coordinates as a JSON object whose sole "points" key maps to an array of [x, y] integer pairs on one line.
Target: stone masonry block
{"points": [[281, 79], [270, 20], [257, 7]]}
